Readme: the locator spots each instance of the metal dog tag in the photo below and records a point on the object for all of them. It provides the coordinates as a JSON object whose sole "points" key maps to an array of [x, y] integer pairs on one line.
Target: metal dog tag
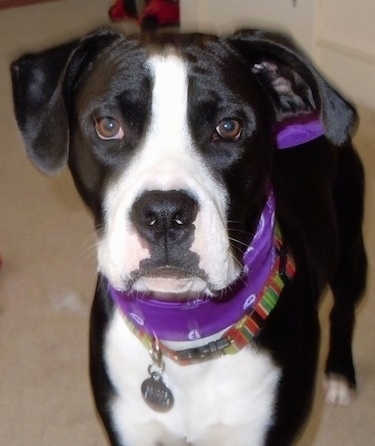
{"points": [[156, 394]]}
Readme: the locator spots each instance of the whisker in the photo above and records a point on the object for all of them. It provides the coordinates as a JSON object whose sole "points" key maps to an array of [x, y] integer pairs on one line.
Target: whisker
{"points": [[239, 242], [237, 261], [91, 249]]}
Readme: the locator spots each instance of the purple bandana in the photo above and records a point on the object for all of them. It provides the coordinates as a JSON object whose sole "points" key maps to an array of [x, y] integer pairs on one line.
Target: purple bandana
{"points": [[195, 319], [205, 316], [296, 132]]}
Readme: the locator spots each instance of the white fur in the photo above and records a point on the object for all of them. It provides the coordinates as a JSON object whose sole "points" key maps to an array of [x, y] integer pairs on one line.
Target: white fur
{"points": [[229, 400], [167, 159], [338, 391]]}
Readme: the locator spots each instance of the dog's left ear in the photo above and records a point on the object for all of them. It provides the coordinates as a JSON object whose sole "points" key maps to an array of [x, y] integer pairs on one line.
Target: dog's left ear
{"points": [[42, 83], [293, 84]]}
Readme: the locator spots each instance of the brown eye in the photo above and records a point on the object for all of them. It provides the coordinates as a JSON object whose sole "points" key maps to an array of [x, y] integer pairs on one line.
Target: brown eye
{"points": [[229, 129], [108, 128]]}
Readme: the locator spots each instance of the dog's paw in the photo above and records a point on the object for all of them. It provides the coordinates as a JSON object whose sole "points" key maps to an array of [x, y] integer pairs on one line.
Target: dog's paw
{"points": [[338, 392]]}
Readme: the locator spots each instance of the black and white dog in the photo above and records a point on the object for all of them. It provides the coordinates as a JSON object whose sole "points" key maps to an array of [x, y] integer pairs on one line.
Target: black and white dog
{"points": [[226, 195]]}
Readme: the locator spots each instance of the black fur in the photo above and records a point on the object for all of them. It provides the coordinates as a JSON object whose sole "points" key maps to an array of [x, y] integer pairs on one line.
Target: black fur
{"points": [[319, 187]]}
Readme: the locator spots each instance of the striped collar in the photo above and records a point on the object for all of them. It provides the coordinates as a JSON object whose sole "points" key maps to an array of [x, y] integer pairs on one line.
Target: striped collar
{"points": [[240, 334]]}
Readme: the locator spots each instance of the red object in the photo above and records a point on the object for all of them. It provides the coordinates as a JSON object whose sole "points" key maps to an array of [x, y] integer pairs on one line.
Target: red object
{"points": [[157, 13], [119, 11]]}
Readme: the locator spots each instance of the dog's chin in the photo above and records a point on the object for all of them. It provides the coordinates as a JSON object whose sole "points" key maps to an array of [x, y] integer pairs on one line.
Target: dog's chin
{"points": [[169, 288]]}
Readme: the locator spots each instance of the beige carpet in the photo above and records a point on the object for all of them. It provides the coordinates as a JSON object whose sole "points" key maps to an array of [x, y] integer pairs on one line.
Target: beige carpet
{"points": [[47, 280]]}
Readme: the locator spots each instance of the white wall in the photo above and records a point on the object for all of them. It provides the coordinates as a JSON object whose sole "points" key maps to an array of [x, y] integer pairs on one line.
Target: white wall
{"points": [[222, 16], [345, 46], [338, 34]]}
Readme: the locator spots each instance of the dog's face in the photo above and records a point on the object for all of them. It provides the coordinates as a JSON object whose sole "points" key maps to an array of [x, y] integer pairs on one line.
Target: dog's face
{"points": [[184, 154], [170, 144]]}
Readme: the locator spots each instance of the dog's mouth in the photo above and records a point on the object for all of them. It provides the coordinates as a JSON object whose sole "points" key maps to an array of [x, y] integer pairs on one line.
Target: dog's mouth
{"points": [[170, 283]]}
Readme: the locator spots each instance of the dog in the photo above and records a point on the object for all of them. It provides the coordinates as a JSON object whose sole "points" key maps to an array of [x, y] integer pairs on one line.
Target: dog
{"points": [[227, 196]]}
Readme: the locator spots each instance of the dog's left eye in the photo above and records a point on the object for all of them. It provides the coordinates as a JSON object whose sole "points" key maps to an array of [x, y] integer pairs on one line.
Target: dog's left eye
{"points": [[229, 129], [108, 128]]}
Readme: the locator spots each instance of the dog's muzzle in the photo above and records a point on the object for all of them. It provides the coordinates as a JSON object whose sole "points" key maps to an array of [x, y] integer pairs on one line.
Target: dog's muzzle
{"points": [[164, 221]]}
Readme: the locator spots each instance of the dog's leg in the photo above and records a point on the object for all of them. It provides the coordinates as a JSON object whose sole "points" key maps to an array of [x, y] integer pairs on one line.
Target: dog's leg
{"points": [[101, 386], [349, 281]]}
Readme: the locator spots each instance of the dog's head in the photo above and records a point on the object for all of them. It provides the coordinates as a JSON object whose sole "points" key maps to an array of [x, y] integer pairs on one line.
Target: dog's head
{"points": [[170, 143]]}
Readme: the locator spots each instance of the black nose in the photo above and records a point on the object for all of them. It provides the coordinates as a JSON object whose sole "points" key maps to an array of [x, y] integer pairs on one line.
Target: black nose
{"points": [[164, 216]]}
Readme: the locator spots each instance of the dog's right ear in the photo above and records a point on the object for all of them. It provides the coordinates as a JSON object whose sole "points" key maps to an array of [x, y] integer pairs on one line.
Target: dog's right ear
{"points": [[41, 85]]}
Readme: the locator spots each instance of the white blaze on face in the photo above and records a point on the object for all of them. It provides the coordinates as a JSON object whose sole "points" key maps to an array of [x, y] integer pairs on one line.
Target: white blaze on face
{"points": [[167, 159]]}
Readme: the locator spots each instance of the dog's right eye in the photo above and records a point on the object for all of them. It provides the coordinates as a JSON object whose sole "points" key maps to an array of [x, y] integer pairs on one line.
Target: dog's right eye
{"points": [[108, 128]]}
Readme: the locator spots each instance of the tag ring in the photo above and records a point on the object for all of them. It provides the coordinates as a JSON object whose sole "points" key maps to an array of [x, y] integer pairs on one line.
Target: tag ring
{"points": [[156, 355]]}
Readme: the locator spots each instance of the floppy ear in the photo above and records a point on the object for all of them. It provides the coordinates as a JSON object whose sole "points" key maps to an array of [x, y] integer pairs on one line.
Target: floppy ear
{"points": [[293, 84], [41, 86]]}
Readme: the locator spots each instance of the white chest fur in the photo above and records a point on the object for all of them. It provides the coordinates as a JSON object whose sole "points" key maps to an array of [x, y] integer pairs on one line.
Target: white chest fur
{"points": [[226, 401]]}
